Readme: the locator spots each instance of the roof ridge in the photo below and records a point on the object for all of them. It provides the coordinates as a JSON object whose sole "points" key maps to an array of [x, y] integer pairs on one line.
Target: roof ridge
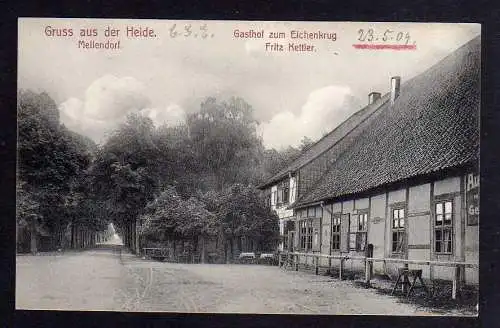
{"points": [[315, 183], [380, 104], [455, 59]]}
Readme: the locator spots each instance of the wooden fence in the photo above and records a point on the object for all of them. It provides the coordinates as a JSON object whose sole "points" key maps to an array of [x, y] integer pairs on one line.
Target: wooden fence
{"points": [[293, 259]]}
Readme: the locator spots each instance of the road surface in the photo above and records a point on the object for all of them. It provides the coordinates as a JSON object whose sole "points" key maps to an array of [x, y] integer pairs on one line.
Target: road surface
{"points": [[100, 280]]}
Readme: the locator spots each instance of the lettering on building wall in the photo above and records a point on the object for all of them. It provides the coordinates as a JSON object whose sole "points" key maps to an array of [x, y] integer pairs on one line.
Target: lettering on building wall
{"points": [[472, 198]]}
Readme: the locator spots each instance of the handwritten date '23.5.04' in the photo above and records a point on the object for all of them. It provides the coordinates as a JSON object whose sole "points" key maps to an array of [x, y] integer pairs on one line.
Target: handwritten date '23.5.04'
{"points": [[389, 36]]}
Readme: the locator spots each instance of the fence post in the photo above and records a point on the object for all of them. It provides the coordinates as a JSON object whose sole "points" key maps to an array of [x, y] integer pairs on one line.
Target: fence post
{"points": [[456, 279], [367, 272], [316, 264], [368, 264], [296, 257], [341, 269]]}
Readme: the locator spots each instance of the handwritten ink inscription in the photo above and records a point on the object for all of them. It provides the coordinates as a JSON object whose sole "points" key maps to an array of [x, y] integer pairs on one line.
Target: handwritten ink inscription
{"points": [[372, 38]]}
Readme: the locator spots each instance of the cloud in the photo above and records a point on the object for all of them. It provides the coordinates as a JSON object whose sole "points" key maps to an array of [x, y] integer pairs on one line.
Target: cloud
{"points": [[107, 102], [110, 97], [170, 115], [324, 109]]}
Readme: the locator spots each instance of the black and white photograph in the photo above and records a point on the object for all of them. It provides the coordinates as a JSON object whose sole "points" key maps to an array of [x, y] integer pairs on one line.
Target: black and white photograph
{"points": [[248, 167]]}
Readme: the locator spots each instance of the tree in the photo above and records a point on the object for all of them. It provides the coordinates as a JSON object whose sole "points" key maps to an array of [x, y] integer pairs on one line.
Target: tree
{"points": [[274, 160], [170, 218], [126, 173], [243, 213], [179, 163], [305, 143], [223, 135], [50, 158]]}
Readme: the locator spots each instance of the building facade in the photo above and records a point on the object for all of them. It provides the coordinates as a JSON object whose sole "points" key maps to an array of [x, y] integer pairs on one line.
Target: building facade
{"points": [[403, 181], [299, 176]]}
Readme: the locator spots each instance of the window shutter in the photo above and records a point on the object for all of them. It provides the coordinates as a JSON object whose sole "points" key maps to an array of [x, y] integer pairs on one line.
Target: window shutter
{"points": [[354, 223], [292, 190], [316, 235], [344, 233], [296, 241]]}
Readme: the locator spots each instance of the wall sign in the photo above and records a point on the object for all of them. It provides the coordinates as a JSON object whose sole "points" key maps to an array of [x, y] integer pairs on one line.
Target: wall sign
{"points": [[472, 198]]}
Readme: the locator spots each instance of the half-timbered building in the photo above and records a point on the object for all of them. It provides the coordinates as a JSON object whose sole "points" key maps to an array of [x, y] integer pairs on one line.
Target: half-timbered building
{"points": [[401, 180]]}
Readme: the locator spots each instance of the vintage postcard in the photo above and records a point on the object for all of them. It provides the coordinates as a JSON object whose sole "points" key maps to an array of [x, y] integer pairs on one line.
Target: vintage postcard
{"points": [[248, 167]]}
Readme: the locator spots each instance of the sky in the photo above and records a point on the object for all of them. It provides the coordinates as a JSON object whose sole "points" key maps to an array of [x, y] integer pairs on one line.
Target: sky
{"points": [[293, 94]]}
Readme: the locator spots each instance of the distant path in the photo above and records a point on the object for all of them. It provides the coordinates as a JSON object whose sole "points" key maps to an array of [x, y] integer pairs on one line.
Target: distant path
{"points": [[96, 280]]}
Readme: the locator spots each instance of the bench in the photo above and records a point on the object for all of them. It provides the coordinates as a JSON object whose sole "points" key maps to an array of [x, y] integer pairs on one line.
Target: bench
{"points": [[159, 254], [268, 258], [248, 257]]}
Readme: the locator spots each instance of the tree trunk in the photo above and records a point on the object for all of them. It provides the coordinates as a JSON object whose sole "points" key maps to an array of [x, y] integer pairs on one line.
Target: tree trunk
{"points": [[203, 250], [127, 235], [72, 240], [231, 242], [225, 250], [137, 240], [33, 237], [132, 228]]}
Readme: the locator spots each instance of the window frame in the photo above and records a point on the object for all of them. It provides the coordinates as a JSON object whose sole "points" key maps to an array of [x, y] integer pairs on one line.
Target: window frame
{"points": [[362, 234], [443, 227], [283, 193], [286, 195], [335, 228], [306, 235], [274, 197], [398, 229]]}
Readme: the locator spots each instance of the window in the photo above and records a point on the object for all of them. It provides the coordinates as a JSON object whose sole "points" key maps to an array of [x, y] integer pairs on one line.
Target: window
{"points": [[306, 235], [363, 222], [335, 240], [273, 197], [278, 197], [311, 212], [398, 230], [443, 227], [362, 231], [283, 192], [285, 195]]}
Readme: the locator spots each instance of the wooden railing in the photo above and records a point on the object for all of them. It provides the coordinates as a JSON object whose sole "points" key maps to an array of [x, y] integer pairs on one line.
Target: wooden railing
{"points": [[293, 259]]}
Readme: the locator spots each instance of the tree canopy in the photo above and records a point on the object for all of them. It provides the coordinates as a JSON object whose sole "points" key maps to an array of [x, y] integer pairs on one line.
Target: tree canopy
{"points": [[197, 178], [51, 160]]}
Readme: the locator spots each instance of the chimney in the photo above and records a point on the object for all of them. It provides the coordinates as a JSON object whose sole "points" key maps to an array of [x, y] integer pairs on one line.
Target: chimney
{"points": [[373, 97], [395, 86]]}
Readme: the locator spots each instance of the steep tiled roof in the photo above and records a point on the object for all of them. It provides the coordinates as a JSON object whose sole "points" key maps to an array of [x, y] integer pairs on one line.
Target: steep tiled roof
{"points": [[326, 142], [433, 125]]}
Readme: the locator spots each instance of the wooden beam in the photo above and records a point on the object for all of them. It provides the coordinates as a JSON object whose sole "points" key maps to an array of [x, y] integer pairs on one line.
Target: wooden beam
{"points": [[395, 260]]}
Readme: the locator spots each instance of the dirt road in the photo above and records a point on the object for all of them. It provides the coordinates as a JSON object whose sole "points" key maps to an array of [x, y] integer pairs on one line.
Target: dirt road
{"points": [[99, 280]]}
